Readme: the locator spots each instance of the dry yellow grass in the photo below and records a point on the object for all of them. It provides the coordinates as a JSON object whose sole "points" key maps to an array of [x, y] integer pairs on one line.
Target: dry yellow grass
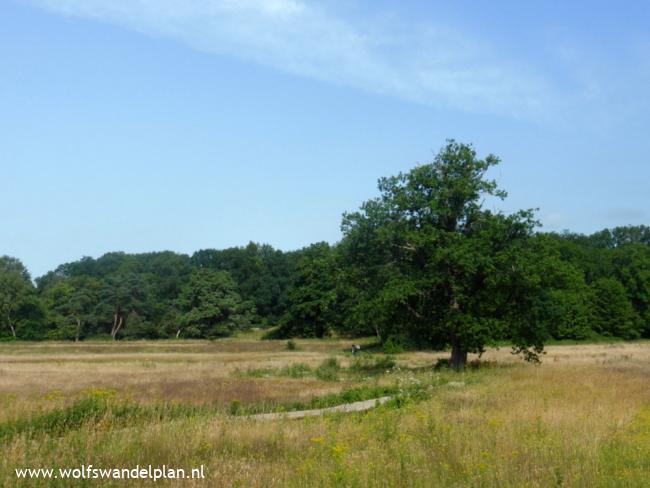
{"points": [[196, 371], [580, 419]]}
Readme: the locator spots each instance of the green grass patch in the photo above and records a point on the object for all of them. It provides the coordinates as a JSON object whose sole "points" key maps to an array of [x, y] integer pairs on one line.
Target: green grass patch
{"points": [[328, 370], [346, 396], [372, 364], [298, 370], [405, 390], [92, 411]]}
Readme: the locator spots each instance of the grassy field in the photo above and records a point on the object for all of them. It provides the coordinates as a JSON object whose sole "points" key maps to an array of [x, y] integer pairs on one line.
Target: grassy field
{"points": [[582, 418]]}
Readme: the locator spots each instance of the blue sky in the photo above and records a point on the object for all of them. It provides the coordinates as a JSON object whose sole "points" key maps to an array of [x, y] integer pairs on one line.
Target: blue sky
{"points": [[143, 125]]}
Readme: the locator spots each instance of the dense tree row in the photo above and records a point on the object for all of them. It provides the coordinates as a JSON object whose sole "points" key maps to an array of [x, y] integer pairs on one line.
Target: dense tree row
{"points": [[423, 264], [585, 289], [152, 295]]}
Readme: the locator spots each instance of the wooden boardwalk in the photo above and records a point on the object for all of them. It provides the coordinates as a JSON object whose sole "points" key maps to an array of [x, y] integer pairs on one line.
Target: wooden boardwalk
{"points": [[299, 414]]}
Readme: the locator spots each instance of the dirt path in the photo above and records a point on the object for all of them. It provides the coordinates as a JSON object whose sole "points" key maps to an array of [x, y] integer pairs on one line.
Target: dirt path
{"points": [[347, 407]]}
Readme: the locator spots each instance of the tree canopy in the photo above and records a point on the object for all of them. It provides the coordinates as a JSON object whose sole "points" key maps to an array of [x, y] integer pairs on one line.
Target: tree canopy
{"points": [[453, 270], [211, 305]]}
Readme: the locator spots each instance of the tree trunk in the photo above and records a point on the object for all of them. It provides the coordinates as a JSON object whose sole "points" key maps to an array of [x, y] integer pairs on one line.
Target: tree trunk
{"points": [[320, 331], [178, 333], [78, 331], [119, 320], [458, 352], [114, 325], [458, 357], [11, 325]]}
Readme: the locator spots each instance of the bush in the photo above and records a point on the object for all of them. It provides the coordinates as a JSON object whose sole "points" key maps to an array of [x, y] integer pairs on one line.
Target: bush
{"points": [[328, 370], [235, 407], [392, 346], [291, 345]]}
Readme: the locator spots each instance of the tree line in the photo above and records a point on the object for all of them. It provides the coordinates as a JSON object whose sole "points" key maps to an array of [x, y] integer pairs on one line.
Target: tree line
{"points": [[210, 294], [425, 264]]}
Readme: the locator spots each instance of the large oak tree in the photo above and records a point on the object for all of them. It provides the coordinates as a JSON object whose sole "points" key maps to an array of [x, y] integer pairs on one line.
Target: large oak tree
{"points": [[452, 273]]}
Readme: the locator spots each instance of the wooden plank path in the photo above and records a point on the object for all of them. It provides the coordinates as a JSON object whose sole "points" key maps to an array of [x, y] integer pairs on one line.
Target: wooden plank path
{"points": [[299, 414]]}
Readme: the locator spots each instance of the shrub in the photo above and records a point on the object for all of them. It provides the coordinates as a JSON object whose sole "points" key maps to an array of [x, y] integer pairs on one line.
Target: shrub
{"points": [[392, 346], [235, 407], [328, 370]]}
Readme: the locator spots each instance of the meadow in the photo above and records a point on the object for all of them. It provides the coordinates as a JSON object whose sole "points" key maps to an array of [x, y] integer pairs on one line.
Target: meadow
{"points": [[581, 418]]}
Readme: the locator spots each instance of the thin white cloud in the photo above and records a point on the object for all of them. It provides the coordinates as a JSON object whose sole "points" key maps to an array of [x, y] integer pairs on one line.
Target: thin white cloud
{"points": [[431, 65]]}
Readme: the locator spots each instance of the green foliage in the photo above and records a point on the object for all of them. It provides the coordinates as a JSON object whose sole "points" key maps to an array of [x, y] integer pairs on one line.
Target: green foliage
{"points": [[349, 395], [392, 346], [21, 313], [72, 306], [13, 265], [291, 345], [212, 306], [235, 407], [138, 327], [328, 370], [138, 294], [299, 370], [563, 306], [613, 312], [126, 296], [449, 272], [255, 372], [421, 265], [312, 299], [405, 389], [632, 269], [58, 421], [370, 363], [95, 408], [123, 296], [262, 275]]}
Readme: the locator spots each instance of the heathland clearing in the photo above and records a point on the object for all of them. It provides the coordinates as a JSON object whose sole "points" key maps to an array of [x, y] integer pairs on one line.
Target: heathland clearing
{"points": [[582, 418]]}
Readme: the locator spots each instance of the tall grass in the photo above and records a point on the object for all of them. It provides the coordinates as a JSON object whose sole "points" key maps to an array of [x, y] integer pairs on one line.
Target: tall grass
{"points": [[90, 411], [580, 421]]}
